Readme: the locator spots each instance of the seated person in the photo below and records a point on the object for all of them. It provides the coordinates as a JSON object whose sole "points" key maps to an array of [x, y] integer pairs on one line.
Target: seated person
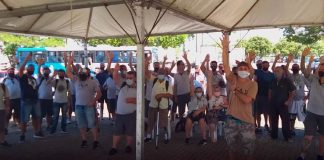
{"points": [[196, 112]]}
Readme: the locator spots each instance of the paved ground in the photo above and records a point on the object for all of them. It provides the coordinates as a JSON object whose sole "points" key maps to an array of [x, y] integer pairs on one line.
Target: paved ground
{"points": [[66, 146]]}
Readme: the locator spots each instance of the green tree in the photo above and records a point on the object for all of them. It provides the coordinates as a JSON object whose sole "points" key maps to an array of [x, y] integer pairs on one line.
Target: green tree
{"points": [[285, 47], [172, 41], [260, 45], [304, 35]]}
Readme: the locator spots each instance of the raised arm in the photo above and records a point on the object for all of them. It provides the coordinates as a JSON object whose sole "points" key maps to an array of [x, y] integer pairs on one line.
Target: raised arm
{"points": [[249, 61], [203, 65], [275, 62], [172, 66], [116, 76], [69, 67], [165, 58], [110, 56], [147, 71], [185, 57], [130, 62], [40, 62], [192, 86], [290, 58], [22, 67], [209, 84], [305, 71]]}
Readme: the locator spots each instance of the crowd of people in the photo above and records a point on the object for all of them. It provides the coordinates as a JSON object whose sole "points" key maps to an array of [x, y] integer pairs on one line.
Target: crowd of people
{"points": [[213, 93]]}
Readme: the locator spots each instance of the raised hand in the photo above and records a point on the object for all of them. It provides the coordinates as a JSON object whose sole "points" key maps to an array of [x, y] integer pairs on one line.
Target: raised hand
{"points": [[290, 57], [165, 58], [277, 57], [28, 57], [251, 56], [306, 52], [207, 58], [185, 55], [117, 67], [225, 40], [311, 59]]}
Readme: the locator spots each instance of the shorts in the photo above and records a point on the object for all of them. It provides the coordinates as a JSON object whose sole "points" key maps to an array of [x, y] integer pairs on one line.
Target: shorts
{"points": [[2, 120], [112, 104], [212, 117], [85, 116], [29, 107], [262, 105], [312, 123], [197, 118], [103, 97], [15, 106], [125, 124], [240, 136], [152, 117], [46, 106]]}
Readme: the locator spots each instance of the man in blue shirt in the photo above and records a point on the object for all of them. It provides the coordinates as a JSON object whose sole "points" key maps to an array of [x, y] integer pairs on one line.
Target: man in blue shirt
{"points": [[102, 76]]}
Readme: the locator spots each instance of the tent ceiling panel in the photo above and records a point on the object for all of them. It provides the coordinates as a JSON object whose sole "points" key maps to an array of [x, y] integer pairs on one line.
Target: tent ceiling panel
{"points": [[19, 24]]}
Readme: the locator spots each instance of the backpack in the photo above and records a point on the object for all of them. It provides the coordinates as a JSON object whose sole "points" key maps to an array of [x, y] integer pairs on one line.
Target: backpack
{"points": [[180, 126], [66, 81], [5, 79]]}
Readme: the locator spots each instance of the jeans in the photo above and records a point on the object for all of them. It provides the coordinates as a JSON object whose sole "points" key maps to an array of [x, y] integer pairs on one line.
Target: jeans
{"points": [[56, 113], [85, 116], [29, 106]]}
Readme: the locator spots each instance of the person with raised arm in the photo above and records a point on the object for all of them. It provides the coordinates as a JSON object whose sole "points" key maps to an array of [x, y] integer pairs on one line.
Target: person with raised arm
{"points": [[240, 122], [87, 94], [314, 121], [29, 98]]}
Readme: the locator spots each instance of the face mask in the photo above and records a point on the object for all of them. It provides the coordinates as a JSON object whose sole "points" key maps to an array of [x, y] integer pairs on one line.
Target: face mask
{"points": [[160, 77], [11, 75], [156, 69], [295, 71], [278, 75], [129, 82], [61, 77], [199, 94], [46, 74], [30, 72], [321, 74], [213, 68], [102, 68], [265, 69], [243, 74], [83, 77], [217, 94], [259, 66]]}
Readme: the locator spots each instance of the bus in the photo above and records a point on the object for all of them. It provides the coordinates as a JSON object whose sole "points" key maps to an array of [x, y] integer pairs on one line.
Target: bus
{"points": [[54, 56]]}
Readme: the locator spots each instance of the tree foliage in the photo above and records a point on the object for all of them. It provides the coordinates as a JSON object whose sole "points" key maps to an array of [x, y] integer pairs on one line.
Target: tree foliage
{"points": [[304, 35], [171, 41], [286, 47], [260, 45]]}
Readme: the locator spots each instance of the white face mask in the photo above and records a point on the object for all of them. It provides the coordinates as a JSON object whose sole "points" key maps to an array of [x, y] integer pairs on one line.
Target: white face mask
{"points": [[129, 82], [199, 94], [243, 74], [160, 77]]}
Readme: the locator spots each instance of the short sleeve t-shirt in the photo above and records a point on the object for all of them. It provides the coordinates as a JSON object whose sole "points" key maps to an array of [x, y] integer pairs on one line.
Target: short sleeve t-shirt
{"points": [[124, 108], [111, 88], [264, 78], [62, 87], [300, 82], [158, 88], [28, 85], [3, 95], [148, 89], [195, 103], [45, 90], [316, 97], [182, 83], [13, 86], [102, 77], [280, 91], [237, 108], [85, 91]]}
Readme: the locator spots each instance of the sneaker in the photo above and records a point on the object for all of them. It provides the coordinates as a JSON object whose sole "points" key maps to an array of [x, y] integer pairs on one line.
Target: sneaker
{"points": [[258, 130], [128, 149], [166, 141], [5, 144], [63, 131], [113, 151], [187, 140], [147, 140], [38, 135], [22, 138], [52, 132], [267, 127], [84, 144], [290, 140], [202, 142], [319, 157], [95, 145]]}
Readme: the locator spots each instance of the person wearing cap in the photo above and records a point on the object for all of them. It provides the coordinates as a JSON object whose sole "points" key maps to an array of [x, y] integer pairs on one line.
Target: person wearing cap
{"points": [[87, 94], [29, 99], [314, 121], [14, 93], [45, 94]]}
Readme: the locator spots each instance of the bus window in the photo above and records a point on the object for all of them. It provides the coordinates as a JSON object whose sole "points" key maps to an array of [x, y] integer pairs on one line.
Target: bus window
{"points": [[100, 57], [52, 57], [60, 57]]}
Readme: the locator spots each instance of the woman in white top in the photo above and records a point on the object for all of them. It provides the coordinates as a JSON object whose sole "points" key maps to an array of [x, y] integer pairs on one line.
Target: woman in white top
{"points": [[216, 103]]}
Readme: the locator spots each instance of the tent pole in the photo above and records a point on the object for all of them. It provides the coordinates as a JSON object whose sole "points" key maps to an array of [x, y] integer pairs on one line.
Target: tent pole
{"points": [[139, 9], [85, 46]]}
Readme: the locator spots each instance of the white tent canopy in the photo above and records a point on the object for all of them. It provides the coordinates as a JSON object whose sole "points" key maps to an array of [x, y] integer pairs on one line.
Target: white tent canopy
{"points": [[91, 18]]}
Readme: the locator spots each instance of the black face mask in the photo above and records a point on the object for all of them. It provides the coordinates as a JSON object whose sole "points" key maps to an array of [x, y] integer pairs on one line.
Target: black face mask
{"points": [[61, 77], [30, 72], [213, 68], [11, 75], [156, 69], [83, 77], [295, 71], [46, 74], [102, 68], [265, 69], [259, 66], [321, 74]]}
